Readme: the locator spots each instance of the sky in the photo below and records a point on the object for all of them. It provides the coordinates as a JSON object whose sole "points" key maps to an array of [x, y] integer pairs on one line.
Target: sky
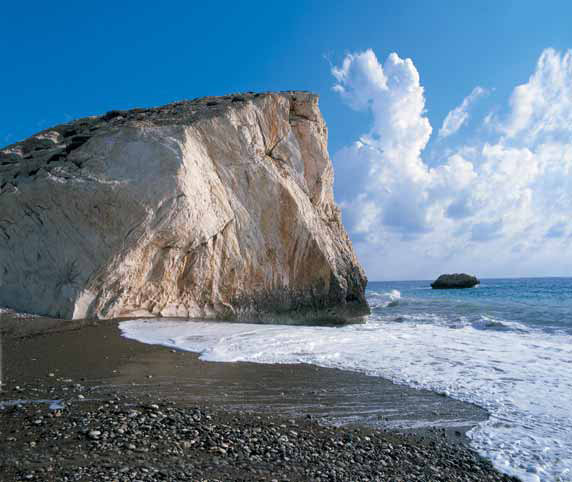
{"points": [[450, 125]]}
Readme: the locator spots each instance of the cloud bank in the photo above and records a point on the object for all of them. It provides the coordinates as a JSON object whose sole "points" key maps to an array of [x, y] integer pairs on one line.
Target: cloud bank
{"points": [[496, 207]]}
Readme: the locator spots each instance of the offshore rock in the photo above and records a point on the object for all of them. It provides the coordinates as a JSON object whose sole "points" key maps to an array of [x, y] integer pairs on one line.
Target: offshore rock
{"points": [[220, 207], [454, 281]]}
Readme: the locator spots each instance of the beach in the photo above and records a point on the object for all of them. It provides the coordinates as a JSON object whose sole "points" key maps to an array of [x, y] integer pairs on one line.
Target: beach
{"points": [[81, 402]]}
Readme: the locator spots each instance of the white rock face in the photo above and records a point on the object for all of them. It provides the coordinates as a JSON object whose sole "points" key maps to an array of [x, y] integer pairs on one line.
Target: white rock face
{"points": [[214, 208]]}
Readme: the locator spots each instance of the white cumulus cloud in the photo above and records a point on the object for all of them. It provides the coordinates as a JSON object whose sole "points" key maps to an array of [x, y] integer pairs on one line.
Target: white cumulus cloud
{"points": [[494, 207], [544, 104], [460, 114]]}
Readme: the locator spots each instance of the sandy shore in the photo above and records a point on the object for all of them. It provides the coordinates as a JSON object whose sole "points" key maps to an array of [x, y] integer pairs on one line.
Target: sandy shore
{"points": [[88, 365]]}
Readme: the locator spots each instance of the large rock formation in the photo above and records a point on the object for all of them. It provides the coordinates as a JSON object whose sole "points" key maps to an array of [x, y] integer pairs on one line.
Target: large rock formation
{"points": [[454, 281], [220, 207]]}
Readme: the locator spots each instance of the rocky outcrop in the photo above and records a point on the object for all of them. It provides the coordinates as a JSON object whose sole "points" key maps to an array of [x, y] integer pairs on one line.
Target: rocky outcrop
{"points": [[454, 281], [220, 207]]}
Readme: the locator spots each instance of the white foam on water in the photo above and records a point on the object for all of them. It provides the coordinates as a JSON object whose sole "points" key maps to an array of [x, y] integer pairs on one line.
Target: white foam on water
{"points": [[16, 314], [52, 404], [384, 300], [524, 379]]}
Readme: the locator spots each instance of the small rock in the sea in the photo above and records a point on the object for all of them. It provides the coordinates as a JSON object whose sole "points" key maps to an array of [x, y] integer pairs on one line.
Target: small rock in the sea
{"points": [[454, 281], [94, 434]]}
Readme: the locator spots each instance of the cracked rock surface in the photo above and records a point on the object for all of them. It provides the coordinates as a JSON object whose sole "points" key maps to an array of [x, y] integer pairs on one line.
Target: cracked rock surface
{"points": [[220, 207]]}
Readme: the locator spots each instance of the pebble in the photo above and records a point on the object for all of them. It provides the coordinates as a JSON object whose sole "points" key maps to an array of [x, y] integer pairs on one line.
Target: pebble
{"points": [[130, 441]]}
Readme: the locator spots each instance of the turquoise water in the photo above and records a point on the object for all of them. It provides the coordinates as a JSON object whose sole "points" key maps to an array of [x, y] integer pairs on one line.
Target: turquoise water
{"points": [[522, 303]]}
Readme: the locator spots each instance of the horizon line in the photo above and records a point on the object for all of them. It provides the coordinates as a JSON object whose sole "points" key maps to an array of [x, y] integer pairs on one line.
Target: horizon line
{"points": [[480, 279]]}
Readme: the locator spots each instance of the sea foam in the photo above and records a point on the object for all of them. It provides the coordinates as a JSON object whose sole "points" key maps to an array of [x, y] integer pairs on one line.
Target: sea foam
{"points": [[523, 377]]}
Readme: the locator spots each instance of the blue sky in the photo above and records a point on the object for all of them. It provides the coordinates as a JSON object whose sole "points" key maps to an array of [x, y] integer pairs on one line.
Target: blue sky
{"points": [[66, 60]]}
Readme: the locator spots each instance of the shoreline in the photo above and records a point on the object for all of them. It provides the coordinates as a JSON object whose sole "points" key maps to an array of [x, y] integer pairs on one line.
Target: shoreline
{"points": [[92, 365]]}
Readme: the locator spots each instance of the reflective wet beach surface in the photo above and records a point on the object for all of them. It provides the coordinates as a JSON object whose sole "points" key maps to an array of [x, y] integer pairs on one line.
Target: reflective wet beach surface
{"points": [[96, 357]]}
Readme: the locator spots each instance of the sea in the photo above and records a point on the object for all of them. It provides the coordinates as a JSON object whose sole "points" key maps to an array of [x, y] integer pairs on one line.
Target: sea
{"points": [[505, 345]]}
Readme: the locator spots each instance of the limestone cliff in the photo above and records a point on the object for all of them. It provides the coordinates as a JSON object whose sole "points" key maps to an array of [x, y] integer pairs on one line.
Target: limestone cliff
{"points": [[220, 207]]}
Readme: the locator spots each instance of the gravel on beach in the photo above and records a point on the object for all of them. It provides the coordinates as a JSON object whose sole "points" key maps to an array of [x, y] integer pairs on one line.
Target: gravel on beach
{"points": [[125, 440], [82, 403]]}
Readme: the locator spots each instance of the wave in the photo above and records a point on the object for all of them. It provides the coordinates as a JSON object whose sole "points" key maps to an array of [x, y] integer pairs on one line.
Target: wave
{"points": [[8, 312], [489, 323], [384, 299], [523, 380], [479, 322]]}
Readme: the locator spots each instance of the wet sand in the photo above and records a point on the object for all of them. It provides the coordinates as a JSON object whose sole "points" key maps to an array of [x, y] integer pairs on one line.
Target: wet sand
{"points": [[90, 363], [97, 354]]}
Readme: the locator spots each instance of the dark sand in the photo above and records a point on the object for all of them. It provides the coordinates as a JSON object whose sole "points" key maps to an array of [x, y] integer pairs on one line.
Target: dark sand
{"points": [[104, 360], [90, 363]]}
